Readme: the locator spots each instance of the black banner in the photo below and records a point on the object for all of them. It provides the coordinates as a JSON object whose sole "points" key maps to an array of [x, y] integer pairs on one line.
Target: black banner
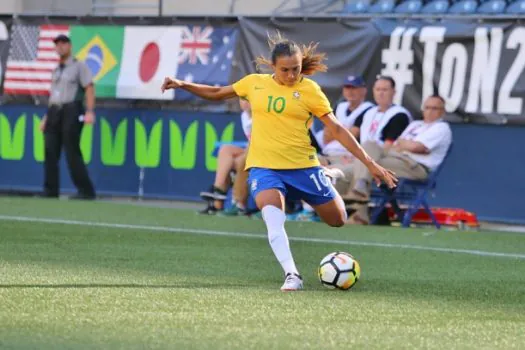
{"points": [[477, 67]]}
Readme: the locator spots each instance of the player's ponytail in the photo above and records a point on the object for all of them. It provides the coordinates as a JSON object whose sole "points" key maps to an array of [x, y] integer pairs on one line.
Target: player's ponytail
{"points": [[312, 60], [280, 46]]}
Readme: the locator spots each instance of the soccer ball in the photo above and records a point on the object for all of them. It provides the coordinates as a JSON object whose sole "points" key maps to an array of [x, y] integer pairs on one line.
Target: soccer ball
{"points": [[339, 270]]}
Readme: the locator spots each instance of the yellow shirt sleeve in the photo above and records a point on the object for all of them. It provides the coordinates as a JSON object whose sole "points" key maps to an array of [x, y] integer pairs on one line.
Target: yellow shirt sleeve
{"points": [[317, 101], [242, 87]]}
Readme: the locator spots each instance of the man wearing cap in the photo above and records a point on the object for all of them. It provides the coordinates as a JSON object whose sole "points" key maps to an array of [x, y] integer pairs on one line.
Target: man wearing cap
{"points": [[66, 115], [347, 112]]}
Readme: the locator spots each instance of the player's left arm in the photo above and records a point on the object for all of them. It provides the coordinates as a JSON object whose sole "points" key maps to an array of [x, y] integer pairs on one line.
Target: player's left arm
{"points": [[348, 140], [341, 134]]}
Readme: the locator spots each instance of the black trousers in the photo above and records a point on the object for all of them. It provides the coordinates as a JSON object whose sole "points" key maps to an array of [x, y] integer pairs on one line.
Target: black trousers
{"points": [[63, 129]]}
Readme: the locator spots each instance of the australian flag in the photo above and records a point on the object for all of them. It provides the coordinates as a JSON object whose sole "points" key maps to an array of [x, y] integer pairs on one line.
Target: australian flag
{"points": [[205, 57]]}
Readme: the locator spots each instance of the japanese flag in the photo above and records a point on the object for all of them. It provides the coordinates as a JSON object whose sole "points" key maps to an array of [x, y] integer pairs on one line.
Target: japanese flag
{"points": [[149, 55]]}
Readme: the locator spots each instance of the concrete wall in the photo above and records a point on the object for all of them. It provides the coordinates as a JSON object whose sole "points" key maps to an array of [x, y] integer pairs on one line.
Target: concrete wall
{"points": [[10, 6], [77, 7], [151, 7]]}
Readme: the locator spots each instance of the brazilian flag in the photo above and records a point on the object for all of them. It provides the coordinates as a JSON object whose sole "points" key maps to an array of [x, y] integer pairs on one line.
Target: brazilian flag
{"points": [[100, 47]]}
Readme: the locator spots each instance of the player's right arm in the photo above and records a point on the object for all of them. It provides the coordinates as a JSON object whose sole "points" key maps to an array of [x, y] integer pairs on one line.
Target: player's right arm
{"points": [[213, 93]]}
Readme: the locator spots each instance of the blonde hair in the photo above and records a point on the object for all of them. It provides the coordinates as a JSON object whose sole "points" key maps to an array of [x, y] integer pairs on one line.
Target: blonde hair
{"points": [[312, 61]]}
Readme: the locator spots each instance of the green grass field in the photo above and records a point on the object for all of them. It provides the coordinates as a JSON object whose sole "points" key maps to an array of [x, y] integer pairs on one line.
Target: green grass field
{"points": [[106, 275]]}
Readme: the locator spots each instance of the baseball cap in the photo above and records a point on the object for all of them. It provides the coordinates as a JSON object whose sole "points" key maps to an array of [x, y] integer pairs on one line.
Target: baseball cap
{"points": [[355, 81], [62, 38]]}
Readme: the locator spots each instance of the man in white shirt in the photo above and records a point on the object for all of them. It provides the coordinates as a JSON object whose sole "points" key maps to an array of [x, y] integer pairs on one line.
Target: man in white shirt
{"points": [[419, 150], [353, 107], [385, 122], [381, 124]]}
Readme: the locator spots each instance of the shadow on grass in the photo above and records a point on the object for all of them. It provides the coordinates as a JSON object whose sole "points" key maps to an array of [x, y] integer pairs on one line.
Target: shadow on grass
{"points": [[126, 286]]}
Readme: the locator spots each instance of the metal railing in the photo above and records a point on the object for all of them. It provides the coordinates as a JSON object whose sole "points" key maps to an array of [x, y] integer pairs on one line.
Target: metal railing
{"points": [[109, 8], [228, 9]]}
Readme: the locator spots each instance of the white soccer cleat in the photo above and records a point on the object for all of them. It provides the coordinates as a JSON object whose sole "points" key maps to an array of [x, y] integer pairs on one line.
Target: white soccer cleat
{"points": [[292, 282]]}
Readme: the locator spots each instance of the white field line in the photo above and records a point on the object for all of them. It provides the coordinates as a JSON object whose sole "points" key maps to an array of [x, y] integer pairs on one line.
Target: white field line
{"points": [[260, 236]]}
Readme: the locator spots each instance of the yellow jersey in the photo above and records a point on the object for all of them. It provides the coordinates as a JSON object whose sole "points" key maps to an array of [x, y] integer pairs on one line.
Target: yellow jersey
{"points": [[281, 118]]}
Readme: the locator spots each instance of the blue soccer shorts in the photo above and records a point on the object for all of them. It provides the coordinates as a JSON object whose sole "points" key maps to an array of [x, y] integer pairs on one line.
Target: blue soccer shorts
{"points": [[308, 184]]}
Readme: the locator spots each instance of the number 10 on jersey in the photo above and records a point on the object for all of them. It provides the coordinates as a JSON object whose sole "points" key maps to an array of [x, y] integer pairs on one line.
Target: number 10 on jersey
{"points": [[277, 105]]}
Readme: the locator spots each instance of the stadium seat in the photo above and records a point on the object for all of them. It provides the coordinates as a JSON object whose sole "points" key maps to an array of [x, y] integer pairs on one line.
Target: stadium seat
{"points": [[517, 7], [492, 7], [357, 6], [436, 7], [382, 6], [411, 192], [464, 7], [409, 6]]}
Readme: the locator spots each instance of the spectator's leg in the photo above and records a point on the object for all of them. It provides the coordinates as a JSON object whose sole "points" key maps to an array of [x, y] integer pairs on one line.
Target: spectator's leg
{"points": [[72, 131], [225, 164], [344, 186], [403, 166], [53, 147], [323, 160], [240, 186], [362, 177]]}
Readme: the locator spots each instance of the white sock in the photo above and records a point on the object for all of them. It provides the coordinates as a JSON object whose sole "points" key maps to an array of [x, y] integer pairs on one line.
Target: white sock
{"points": [[274, 219]]}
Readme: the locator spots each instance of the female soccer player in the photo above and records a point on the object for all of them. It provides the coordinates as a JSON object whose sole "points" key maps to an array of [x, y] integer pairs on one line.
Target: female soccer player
{"points": [[281, 160]]}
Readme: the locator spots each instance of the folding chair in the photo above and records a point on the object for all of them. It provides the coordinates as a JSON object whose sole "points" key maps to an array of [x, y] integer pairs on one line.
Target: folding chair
{"points": [[412, 192]]}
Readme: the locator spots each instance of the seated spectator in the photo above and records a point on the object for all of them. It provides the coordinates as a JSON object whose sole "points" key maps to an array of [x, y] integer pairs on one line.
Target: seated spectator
{"points": [[381, 124], [347, 112], [419, 150], [231, 158]]}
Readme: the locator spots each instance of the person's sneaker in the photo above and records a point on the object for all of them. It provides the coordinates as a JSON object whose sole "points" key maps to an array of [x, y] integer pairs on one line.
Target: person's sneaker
{"points": [[233, 211], [213, 193], [292, 282], [257, 215], [209, 210], [360, 217]]}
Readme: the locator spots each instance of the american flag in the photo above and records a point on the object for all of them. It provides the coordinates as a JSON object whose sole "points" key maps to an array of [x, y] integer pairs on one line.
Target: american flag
{"points": [[32, 59], [206, 57], [196, 45]]}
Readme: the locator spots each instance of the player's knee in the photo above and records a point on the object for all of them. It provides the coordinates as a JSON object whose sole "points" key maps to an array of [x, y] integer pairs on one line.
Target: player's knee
{"points": [[339, 219], [337, 222]]}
